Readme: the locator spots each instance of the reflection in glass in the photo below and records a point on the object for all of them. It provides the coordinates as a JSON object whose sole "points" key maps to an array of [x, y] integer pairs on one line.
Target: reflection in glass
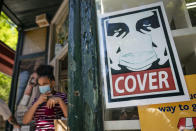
{"points": [[61, 35], [130, 113], [191, 7], [63, 70], [27, 89]]}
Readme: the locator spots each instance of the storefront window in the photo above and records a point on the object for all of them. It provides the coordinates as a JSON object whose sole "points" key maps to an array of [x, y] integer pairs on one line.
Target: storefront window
{"points": [[61, 35], [122, 114], [58, 53], [191, 6], [59, 31], [27, 88], [175, 9], [63, 70]]}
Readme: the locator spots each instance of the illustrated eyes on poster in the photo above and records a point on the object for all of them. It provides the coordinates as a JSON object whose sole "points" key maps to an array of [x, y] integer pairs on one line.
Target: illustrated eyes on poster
{"points": [[147, 25], [151, 21], [117, 29]]}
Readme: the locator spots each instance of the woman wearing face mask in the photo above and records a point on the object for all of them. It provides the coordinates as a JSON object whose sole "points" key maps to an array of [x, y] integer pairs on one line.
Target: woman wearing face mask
{"points": [[49, 105]]}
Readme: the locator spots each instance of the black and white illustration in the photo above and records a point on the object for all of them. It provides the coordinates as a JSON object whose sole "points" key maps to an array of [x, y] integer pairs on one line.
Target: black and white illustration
{"points": [[136, 42], [139, 59]]}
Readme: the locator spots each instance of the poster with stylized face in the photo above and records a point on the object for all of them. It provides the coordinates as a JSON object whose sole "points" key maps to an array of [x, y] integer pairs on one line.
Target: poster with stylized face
{"points": [[139, 59]]}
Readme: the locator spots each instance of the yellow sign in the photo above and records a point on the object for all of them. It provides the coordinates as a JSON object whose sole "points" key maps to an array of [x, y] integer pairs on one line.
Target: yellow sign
{"points": [[180, 116]]}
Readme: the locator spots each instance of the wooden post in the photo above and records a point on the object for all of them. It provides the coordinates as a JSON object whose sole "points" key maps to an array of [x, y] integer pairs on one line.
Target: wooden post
{"points": [[85, 108]]}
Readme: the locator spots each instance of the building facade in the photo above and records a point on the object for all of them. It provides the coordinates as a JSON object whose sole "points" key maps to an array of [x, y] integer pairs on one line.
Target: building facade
{"points": [[71, 43]]}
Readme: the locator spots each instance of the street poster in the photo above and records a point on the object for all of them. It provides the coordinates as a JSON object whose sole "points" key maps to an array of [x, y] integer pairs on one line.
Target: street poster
{"points": [[139, 61]]}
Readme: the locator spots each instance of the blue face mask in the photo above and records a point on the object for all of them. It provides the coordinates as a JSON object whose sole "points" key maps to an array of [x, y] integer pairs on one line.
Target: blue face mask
{"points": [[44, 89]]}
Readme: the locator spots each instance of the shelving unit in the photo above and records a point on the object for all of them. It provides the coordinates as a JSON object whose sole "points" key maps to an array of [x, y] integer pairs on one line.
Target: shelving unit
{"points": [[185, 41], [54, 58]]}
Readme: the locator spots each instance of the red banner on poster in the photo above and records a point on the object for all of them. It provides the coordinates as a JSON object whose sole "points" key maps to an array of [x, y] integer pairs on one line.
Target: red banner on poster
{"points": [[148, 81]]}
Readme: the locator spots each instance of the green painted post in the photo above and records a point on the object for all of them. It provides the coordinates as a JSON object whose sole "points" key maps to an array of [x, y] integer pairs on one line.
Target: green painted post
{"points": [[75, 101], [85, 108], [91, 89]]}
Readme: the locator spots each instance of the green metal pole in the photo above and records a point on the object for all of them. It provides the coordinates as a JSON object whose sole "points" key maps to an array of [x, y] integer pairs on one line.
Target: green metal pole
{"points": [[15, 74], [74, 69], [85, 108], [90, 70]]}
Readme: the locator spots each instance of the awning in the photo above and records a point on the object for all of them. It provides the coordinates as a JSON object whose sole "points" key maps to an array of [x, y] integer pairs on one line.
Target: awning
{"points": [[23, 12], [6, 59]]}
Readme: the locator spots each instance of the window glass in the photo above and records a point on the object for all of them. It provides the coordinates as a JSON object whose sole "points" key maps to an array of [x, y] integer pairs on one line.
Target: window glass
{"points": [[191, 7], [63, 70], [59, 34], [175, 9], [27, 87], [34, 41]]}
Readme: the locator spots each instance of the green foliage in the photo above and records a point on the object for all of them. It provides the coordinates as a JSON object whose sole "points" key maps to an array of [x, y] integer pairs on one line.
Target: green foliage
{"points": [[9, 35], [5, 84], [8, 31]]}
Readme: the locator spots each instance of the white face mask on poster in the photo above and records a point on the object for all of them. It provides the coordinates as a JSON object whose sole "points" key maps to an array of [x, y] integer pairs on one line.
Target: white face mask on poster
{"points": [[137, 54], [44, 89], [136, 46]]}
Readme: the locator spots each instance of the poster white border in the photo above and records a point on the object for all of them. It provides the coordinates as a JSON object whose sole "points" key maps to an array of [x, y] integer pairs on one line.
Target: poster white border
{"points": [[128, 103]]}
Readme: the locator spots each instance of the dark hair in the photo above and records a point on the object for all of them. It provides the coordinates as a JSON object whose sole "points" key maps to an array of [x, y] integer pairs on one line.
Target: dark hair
{"points": [[45, 71]]}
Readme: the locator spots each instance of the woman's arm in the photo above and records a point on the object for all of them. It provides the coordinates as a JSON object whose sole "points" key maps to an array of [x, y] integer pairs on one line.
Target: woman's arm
{"points": [[57, 100], [12, 120], [28, 116], [63, 107], [30, 113]]}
